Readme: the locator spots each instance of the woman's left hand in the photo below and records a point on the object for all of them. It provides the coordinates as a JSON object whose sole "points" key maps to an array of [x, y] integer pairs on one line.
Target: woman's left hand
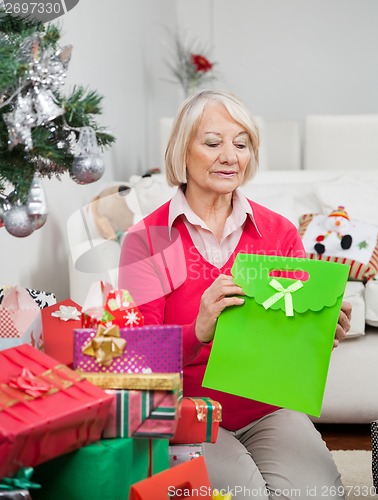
{"points": [[343, 325]]}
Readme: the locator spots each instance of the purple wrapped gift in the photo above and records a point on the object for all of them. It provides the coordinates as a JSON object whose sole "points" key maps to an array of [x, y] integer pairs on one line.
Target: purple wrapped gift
{"points": [[144, 349]]}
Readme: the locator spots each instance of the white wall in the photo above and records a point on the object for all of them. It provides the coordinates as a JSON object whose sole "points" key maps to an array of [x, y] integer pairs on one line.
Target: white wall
{"points": [[290, 58], [285, 59]]}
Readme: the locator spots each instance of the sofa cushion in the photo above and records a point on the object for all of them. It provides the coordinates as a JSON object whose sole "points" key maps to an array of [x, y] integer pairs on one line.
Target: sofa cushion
{"points": [[362, 257], [371, 300], [354, 294], [359, 197]]}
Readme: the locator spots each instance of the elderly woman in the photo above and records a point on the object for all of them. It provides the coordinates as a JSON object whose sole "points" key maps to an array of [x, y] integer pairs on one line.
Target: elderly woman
{"points": [[176, 263]]}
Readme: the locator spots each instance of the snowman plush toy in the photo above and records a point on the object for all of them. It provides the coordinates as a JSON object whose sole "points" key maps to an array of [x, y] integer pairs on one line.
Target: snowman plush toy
{"points": [[337, 223]]}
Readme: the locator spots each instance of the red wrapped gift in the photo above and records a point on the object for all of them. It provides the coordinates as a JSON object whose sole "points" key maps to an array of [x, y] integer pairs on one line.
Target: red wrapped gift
{"points": [[59, 322], [46, 409], [187, 480], [198, 421], [106, 306]]}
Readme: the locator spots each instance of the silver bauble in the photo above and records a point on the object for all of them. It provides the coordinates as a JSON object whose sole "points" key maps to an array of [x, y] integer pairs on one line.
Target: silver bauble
{"points": [[88, 165], [38, 220], [17, 221], [87, 169]]}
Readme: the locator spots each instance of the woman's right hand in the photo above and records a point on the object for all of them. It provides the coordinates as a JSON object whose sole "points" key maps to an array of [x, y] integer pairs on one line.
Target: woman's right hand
{"points": [[220, 294]]}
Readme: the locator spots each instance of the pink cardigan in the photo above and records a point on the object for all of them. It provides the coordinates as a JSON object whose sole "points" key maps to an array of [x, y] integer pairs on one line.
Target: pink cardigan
{"points": [[167, 276]]}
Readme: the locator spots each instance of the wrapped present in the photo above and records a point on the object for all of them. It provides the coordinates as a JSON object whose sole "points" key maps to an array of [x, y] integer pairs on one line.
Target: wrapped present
{"points": [[138, 381], [41, 298], [286, 300], [143, 413], [46, 409], [187, 480], [104, 470], [59, 321], [145, 349], [180, 453], [107, 306], [20, 319], [198, 422]]}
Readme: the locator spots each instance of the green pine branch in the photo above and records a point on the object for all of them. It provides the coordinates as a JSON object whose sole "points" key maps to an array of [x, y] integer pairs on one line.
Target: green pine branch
{"points": [[18, 25], [80, 105]]}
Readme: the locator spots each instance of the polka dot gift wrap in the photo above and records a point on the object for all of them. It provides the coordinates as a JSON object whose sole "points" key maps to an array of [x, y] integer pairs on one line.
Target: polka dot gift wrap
{"points": [[145, 349]]}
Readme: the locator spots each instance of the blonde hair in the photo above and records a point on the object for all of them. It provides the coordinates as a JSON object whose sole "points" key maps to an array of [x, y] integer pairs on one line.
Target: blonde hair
{"points": [[187, 122]]}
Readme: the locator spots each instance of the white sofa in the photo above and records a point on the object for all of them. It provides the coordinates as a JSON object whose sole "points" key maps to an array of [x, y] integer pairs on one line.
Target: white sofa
{"points": [[351, 394]]}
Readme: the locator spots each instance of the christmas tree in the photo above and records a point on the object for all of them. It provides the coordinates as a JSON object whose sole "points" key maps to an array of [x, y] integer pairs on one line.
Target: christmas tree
{"points": [[42, 132]]}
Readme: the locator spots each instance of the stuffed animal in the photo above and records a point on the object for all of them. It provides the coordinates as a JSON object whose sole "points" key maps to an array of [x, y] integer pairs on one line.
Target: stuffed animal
{"points": [[116, 208], [111, 213], [337, 222], [151, 191]]}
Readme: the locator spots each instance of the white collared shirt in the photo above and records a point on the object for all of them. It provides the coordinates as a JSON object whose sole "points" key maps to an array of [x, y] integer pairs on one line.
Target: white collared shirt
{"points": [[214, 251]]}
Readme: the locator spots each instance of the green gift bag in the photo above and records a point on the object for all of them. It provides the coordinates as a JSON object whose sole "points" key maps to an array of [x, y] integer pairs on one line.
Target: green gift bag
{"points": [[276, 347]]}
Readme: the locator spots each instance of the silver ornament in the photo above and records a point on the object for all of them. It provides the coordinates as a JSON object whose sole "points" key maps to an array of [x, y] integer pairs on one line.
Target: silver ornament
{"points": [[20, 121], [18, 133], [45, 106], [36, 204], [47, 68], [17, 221], [88, 165], [25, 109], [58, 66], [87, 169]]}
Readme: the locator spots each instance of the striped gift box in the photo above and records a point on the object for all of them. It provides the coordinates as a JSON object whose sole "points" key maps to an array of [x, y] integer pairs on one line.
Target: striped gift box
{"points": [[136, 413]]}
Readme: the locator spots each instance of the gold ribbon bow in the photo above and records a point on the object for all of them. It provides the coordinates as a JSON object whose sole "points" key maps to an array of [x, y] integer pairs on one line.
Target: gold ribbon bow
{"points": [[106, 345]]}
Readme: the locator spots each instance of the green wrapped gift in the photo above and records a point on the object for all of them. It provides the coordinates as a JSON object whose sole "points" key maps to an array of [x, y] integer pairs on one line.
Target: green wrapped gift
{"points": [[104, 470]]}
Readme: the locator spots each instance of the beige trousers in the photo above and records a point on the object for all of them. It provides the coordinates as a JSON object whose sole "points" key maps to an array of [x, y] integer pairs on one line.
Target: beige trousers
{"points": [[280, 456]]}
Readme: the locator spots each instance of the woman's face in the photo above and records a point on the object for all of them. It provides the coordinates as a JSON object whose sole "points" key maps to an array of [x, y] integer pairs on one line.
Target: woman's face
{"points": [[218, 154]]}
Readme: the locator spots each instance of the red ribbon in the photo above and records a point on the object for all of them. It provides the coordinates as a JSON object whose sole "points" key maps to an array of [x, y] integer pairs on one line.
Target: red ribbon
{"points": [[30, 384]]}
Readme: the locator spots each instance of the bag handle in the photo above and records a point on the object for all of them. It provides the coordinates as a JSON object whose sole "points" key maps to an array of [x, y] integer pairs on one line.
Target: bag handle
{"points": [[254, 274]]}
